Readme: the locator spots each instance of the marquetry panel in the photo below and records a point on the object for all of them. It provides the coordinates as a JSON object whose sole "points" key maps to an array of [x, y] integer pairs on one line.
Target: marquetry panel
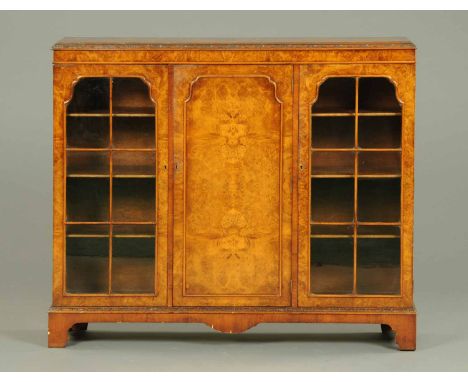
{"points": [[233, 197]]}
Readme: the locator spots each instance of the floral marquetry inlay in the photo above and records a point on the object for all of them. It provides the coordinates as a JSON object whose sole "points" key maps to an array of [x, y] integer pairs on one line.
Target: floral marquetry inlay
{"points": [[233, 128], [233, 242]]}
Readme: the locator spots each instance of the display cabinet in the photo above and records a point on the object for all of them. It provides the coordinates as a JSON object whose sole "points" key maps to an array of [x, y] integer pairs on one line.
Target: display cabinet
{"points": [[233, 183]]}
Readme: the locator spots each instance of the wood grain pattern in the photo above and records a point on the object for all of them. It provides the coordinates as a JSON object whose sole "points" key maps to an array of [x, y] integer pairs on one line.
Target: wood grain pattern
{"points": [[233, 197], [403, 322], [215, 57]]}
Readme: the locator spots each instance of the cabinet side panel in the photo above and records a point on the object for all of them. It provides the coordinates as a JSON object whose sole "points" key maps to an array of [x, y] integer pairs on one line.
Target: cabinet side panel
{"points": [[407, 93], [58, 185]]}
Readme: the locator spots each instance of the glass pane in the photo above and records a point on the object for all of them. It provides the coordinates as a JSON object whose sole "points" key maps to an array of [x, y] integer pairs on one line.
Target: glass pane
{"points": [[131, 96], [87, 199], [336, 95], [134, 199], [88, 132], [90, 95], [332, 162], [131, 163], [380, 230], [377, 94], [328, 229], [133, 132], [332, 200], [133, 259], [331, 270], [379, 163], [378, 266], [87, 163], [332, 132], [87, 230], [380, 132], [87, 259], [379, 200]]}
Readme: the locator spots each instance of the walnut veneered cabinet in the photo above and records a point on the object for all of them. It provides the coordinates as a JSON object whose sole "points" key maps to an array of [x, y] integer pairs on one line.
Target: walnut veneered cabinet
{"points": [[233, 183]]}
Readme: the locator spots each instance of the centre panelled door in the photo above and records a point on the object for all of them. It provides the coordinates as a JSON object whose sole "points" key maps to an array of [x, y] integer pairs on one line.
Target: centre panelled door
{"points": [[233, 185]]}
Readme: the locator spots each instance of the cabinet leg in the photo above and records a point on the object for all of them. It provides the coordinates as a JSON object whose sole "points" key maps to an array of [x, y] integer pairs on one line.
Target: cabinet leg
{"points": [[58, 331], [405, 332]]}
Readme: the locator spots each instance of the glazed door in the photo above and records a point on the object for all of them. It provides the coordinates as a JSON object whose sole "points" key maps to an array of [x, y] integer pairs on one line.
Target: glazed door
{"points": [[232, 203], [110, 185], [355, 185]]}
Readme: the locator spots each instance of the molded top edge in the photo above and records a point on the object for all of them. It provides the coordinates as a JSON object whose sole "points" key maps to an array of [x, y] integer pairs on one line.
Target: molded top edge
{"points": [[90, 43]]}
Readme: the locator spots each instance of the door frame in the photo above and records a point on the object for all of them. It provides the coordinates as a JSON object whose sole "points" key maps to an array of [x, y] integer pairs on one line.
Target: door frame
{"points": [[65, 78], [311, 76]]}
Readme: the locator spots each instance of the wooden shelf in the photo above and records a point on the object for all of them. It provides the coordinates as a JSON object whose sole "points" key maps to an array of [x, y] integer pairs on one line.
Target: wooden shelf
{"points": [[133, 115], [117, 236], [359, 149], [110, 149], [359, 114], [379, 223], [332, 149], [110, 222], [86, 235], [314, 236], [343, 114], [87, 175], [331, 223], [133, 236], [377, 176], [332, 176], [358, 223], [358, 236], [88, 115], [131, 176], [378, 114]]}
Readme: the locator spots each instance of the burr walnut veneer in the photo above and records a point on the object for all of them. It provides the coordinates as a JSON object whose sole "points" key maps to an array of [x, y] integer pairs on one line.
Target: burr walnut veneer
{"points": [[233, 183]]}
